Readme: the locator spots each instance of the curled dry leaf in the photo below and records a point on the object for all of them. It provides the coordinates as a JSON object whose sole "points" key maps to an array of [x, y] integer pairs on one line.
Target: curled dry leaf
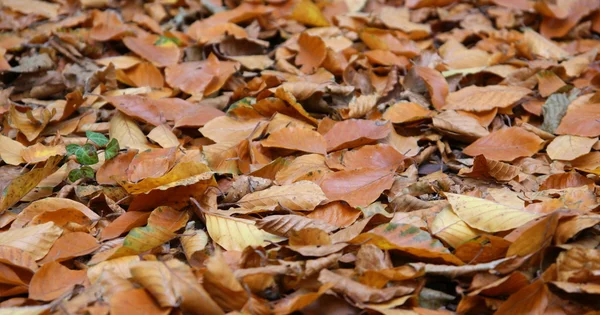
{"points": [[284, 225], [486, 168], [361, 293], [459, 126]]}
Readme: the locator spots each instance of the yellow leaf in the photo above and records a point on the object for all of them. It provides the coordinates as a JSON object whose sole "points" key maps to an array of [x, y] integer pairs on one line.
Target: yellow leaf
{"points": [[450, 228], [10, 150], [306, 12], [143, 239], [236, 234], [163, 135], [35, 240], [119, 266], [568, 148], [20, 186], [486, 215], [127, 132], [310, 167], [302, 195], [189, 170], [193, 241], [40, 153]]}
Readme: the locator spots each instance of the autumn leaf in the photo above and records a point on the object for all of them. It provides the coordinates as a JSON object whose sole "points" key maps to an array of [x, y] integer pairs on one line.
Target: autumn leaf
{"points": [[486, 215], [302, 195], [53, 280], [357, 187], [236, 234], [474, 98], [506, 144]]}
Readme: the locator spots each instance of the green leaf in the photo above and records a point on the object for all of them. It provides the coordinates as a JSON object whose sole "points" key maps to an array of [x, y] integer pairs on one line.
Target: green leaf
{"points": [[164, 40], [97, 138], [75, 174], [112, 149], [87, 154], [72, 148], [555, 109], [87, 171]]}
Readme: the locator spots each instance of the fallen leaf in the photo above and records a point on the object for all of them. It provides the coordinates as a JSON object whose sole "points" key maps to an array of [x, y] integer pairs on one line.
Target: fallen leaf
{"points": [[494, 217], [53, 280], [302, 195], [136, 300], [479, 99], [300, 139], [353, 133], [358, 187], [236, 234], [506, 144]]}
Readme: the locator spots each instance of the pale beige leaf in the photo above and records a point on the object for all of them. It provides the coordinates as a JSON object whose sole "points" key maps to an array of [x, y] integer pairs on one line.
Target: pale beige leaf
{"points": [[284, 225], [302, 195], [127, 132], [236, 234], [450, 228], [568, 148], [361, 105], [35, 240], [576, 65], [487, 215], [479, 99], [253, 62], [10, 151], [49, 205], [163, 135], [25, 310], [540, 46]]}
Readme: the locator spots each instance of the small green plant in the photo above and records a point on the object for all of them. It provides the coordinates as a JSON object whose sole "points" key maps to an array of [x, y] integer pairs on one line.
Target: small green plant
{"points": [[87, 154]]}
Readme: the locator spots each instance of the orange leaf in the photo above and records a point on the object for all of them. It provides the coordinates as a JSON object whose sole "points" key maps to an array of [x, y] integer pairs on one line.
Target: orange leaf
{"points": [[124, 223], [436, 84], [532, 299], [478, 99], [145, 45], [336, 213], [300, 139], [137, 301], [566, 180], [357, 187], [311, 54], [53, 280], [368, 156], [71, 245], [353, 133], [506, 144]]}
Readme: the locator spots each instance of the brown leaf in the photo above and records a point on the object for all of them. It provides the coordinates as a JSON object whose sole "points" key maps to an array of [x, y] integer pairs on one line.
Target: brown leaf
{"points": [[54, 280], [478, 99], [486, 168], [353, 133], [361, 293], [311, 53], [300, 139], [284, 225], [506, 144], [358, 187]]}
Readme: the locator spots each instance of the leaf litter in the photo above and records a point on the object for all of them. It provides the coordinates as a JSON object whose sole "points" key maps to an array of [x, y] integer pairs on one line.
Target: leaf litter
{"points": [[299, 156]]}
